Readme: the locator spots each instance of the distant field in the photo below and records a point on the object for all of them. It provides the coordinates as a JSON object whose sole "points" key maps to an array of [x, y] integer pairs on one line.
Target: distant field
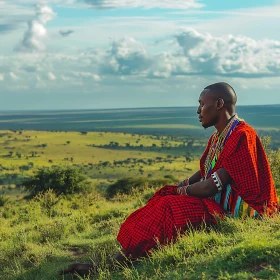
{"points": [[104, 156], [163, 121]]}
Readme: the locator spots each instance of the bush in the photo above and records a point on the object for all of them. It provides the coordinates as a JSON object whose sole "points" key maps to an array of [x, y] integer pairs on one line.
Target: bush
{"points": [[63, 180], [171, 177], [3, 200], [126, 185], [47, 201]]}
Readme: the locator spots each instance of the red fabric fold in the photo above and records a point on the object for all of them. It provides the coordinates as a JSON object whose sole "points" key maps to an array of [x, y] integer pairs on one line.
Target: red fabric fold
{"points": [[162, 218]]}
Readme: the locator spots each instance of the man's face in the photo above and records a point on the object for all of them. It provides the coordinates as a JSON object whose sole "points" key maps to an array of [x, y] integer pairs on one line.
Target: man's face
{"points": [[207, 110]]}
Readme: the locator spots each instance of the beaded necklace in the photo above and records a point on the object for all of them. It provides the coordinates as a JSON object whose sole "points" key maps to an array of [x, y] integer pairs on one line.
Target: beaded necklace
{"points": [[217, 145]]}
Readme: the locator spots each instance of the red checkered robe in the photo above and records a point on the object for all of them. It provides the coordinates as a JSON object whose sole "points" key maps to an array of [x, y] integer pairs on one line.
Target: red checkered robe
{"points": [[167, 213]]}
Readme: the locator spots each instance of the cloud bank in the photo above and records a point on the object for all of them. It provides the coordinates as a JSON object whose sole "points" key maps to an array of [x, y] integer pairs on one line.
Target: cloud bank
{"points": [[238, 56], [192, 54], [36, 34], [149, 4]]}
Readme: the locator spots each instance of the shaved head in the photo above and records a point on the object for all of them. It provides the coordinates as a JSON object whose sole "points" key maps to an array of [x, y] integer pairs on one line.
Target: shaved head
{"points": [[216, 104], [223, 91]]}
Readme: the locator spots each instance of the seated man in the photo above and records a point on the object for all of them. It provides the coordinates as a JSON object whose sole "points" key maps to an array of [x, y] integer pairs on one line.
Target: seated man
{"points": [[234, 179]]}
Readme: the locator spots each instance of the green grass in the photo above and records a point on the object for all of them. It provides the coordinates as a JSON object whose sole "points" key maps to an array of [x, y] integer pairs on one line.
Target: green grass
{"points": [[22, 152], [44, 234], [34, 244]]}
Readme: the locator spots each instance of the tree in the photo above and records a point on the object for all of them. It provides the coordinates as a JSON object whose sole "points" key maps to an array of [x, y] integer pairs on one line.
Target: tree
{"points": [[61, 179]]}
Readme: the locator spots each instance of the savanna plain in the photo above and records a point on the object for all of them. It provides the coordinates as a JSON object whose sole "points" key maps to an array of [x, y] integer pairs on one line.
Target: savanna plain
{"points": [[68, 181]]}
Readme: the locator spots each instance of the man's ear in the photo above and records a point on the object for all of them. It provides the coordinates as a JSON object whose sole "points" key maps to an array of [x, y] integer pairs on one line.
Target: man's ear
{"points": [[220, 103]]}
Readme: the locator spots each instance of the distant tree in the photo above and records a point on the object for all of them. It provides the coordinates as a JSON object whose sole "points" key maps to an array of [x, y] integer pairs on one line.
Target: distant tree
{"points": [[171, 177], [68, 142], [24, 167], [63, 180]]}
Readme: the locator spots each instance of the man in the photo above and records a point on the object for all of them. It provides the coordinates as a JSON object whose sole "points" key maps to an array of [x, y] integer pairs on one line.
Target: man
{"points": [[234, 179]]}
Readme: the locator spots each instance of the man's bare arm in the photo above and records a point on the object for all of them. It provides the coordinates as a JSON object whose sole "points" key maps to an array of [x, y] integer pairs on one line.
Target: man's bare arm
{"points": [[195, 177], [208, 188]]}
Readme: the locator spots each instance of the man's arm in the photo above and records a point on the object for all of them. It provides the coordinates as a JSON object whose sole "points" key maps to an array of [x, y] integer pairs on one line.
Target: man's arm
{"points": [[195, 177], [208, 188]]}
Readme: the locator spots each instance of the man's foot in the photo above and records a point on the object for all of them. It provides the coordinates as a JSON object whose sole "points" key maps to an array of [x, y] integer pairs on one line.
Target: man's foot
{"points": [[82, 269]]}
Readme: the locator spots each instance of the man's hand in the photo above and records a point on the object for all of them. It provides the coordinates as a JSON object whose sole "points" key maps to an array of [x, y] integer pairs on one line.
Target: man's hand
{"points": [[181, 185]]}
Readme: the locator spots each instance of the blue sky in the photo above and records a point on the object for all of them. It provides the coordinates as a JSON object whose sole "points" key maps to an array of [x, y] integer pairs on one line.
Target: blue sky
{"points": [[79, 54]]}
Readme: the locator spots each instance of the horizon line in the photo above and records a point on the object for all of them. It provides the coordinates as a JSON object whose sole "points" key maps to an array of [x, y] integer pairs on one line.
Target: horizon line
{"points": [[125, 108]]}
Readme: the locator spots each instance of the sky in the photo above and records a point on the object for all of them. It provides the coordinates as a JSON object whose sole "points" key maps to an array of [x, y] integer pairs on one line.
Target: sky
{"points": [[95, 54]]}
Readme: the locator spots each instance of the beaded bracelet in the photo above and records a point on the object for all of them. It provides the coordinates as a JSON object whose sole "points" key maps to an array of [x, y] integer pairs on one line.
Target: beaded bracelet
{"points": [[217, 181], [180, 190], [184, 183], [188, 189]]}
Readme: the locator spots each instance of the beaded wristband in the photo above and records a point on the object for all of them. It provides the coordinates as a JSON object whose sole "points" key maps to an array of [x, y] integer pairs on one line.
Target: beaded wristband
{"points": [[188, 189], [217, 181], [182, 185]]}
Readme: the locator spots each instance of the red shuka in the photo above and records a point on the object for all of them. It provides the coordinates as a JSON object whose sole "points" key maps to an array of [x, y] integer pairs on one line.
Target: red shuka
{"points": [[167, 213]]}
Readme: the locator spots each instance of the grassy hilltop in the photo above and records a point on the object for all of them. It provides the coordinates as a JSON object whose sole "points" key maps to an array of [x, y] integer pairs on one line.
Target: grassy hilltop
{"points": [[43, 234]]}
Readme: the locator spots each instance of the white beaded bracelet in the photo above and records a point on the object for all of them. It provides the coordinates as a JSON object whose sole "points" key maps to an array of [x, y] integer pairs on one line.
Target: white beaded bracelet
{"points": [[217, 181]]}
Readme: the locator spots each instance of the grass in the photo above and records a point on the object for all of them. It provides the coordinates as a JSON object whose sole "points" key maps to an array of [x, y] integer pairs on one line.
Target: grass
{"points": [[21, 152], [34, 244], [45, 234]]}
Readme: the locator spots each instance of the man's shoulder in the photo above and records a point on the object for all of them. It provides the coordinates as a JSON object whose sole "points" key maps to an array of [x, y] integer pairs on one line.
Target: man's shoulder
{"points": [[245, 129]]}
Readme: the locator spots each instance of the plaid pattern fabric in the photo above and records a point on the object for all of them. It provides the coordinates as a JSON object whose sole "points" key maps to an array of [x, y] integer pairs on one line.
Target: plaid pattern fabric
{"points": [[168, 213], [252, 187], [162, 218]]}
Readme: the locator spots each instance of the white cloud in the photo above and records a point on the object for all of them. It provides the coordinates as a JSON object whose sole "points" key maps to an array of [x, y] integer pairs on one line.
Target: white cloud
{"points": [[51, 76], [86, 75], [13, 76], [126, 56], [96, 77], [36, 34], [230, 55], [257, 22], [191, 56], [163, 4], [13, 15]]}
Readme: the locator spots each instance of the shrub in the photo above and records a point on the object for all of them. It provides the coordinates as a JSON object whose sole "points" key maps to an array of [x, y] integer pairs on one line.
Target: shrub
{"points": [[61, 179], [171, 177], [126, 185], [3, 200], [47, 201]]}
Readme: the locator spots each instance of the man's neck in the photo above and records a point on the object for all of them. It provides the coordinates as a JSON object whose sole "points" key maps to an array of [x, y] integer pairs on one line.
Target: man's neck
{"points": [[223, 121]]}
